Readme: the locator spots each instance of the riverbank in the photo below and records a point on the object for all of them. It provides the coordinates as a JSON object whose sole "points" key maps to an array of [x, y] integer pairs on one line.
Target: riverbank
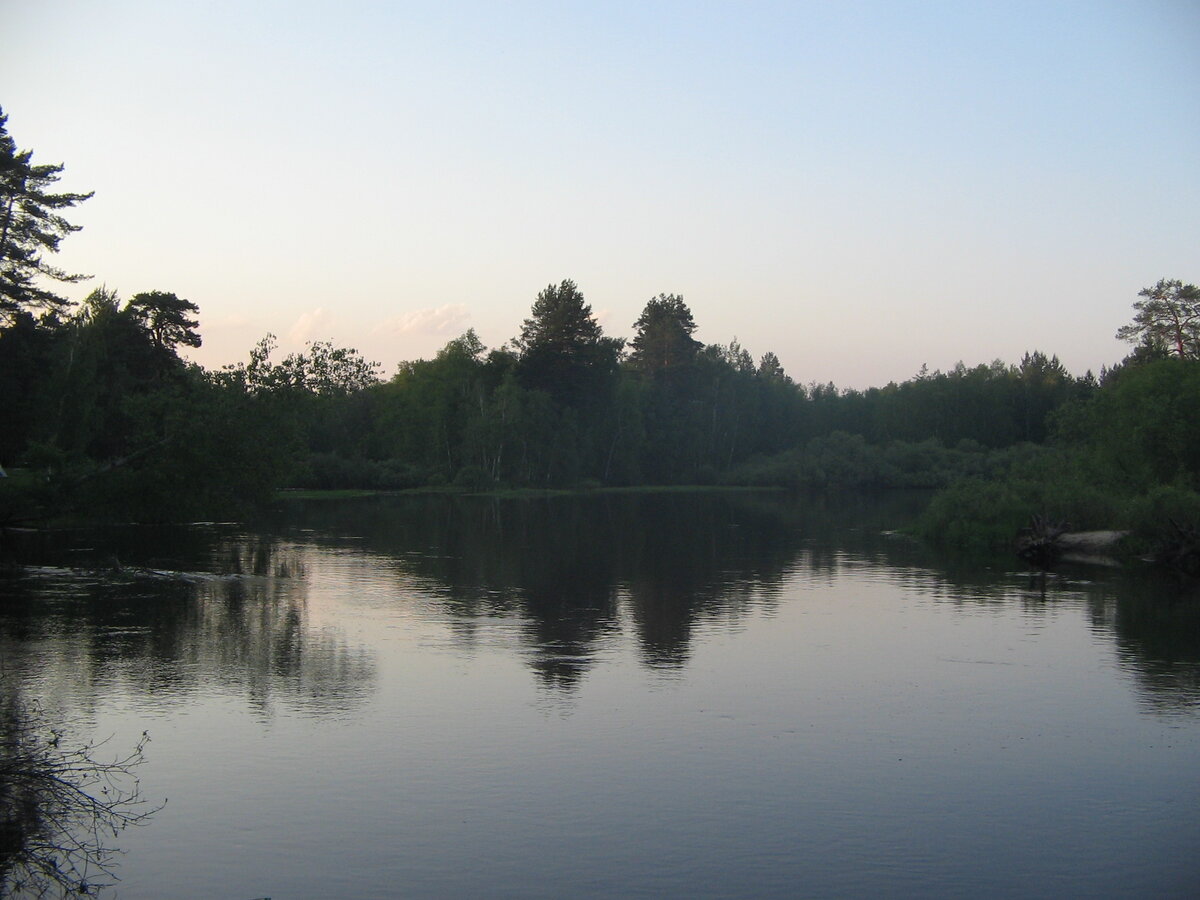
{"points": [[509, 492]]}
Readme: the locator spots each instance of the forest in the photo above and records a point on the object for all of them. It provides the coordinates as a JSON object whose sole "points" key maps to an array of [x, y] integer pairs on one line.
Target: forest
{"points": [[105, 418]]}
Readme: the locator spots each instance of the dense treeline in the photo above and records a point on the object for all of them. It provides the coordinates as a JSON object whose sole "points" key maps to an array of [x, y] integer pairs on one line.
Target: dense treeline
{"points": [[103, 400], [1124, 455], [105, 416], [102, 414]]}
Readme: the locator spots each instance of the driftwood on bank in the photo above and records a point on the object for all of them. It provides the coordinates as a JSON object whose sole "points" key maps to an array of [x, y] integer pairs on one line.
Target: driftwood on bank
{"points": [[1046, 541]]}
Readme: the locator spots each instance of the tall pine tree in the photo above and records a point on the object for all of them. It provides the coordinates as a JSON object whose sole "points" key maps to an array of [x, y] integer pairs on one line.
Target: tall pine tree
{"points": [[31, 227]]}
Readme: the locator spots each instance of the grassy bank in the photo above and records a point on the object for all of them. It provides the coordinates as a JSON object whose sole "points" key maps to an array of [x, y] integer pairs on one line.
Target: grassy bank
{"points": [[520, 492], [977, 514]]}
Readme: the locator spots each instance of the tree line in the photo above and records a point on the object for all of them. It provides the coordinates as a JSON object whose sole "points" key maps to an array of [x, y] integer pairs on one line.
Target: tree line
{"points": [[102, 393], [102, 412]]}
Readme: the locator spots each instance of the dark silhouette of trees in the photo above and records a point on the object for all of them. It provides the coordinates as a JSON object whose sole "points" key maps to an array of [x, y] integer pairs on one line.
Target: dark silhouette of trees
{"points": [[563, 350], [104, 396], [770, 368], [558, 406], [31, 227], [117, 425], [168, 319], [664, 341], [101, 403], [28, 350], [104, 399]]}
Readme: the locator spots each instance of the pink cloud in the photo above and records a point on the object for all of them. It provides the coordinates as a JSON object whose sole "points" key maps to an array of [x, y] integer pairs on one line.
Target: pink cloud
{"points": [[448, 319]]}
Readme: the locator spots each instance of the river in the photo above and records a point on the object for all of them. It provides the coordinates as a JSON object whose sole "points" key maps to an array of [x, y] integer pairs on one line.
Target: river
{"points": [[617, 695]]}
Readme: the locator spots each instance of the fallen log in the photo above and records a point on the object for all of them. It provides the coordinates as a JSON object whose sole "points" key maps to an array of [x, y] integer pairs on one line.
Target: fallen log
{"points": [[1038, 542], [1046, 541], [1092, 547]]}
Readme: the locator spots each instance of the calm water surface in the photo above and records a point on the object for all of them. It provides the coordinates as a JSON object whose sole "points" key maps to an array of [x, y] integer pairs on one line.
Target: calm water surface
{"points": [[636, 695]]}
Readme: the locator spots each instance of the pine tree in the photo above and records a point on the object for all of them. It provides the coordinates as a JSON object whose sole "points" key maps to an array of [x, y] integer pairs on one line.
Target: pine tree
{"points": [[1169, 318], [563, 349], [30, 228], [664, 336]]}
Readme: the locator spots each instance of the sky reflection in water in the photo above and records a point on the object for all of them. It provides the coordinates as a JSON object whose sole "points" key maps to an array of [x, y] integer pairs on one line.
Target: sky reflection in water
{"points": [[674, 694]]}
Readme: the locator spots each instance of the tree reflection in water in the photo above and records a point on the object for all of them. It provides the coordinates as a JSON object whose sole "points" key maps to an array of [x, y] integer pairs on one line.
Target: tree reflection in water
{"points": [[576, 572], [226, 610], [223, 610], [573, 574]]}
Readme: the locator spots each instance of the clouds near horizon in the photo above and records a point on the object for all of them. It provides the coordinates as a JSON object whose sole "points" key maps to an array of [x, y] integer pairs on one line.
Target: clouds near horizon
{"points": [[449, 319]]}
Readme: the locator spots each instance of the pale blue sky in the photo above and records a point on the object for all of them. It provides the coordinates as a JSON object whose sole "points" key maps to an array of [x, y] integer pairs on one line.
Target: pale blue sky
{"points": [[861, 188]]}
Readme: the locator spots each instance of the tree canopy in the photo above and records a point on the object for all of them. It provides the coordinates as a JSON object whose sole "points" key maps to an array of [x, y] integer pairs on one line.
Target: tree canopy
{"points": [[168, 318], [101, 400], [1168, 319], [664, 336], [563, 350], [31, 227]]}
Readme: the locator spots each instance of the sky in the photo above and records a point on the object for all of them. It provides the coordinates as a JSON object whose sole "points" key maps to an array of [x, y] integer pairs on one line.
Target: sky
{"points": [[862, 188]]}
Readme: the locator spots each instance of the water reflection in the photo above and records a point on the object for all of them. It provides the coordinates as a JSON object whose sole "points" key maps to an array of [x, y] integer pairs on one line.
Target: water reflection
{"points": [[233, 617], [1156, 620], [827, 684], [576, 572], [569, 569], [62, 804]]}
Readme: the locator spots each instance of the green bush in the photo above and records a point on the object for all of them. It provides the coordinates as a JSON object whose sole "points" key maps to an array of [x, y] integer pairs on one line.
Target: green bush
{"points": [[1156, 517], [974, 514], [473, 478], [332, 471]]}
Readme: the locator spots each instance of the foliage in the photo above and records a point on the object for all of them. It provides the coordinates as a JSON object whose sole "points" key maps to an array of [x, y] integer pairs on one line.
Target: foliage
{"points": [[563, 350], [31, 227], [558, 406], [1168, 318], [1143, 428], [974, 514], [204, 447], [167, 318], [770, 368], [663, 341], [1126, 457], [116, 424], [60, 805], [332, 471], [28, 351], [100, 406], [1157, 516], [842, 460], [978, 513], [473, 478], [323, 370]]}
